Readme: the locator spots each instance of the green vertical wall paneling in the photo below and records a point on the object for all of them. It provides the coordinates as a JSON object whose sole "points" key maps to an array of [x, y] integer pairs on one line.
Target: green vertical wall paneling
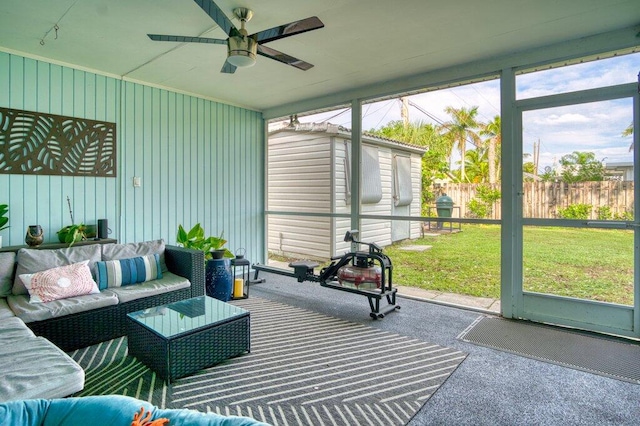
{"points": [[15, 183], [171, 162], [190, 175], [39, 86], [181, 188], [199, 160], [193, 170], [146, 157], [125, 137], [85, 105], [242, 151], [155, 158], [205, 162], [136, 228], [165, 160]]}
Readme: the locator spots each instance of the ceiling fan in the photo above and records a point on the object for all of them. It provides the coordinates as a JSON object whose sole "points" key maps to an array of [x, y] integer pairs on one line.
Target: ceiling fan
{"points": [[241, 47]]}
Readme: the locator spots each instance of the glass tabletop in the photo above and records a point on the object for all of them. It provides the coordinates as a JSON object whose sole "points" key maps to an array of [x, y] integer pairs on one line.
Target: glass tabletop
{"points": [[186, 316]]}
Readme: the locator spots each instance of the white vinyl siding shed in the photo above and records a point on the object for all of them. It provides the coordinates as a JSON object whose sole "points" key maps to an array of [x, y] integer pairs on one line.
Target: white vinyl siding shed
{"points": [[308, 167]]}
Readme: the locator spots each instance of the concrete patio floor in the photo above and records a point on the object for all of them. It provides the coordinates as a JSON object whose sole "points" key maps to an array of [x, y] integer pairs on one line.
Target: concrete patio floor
{"points": [[481, 304], [490, 387]]}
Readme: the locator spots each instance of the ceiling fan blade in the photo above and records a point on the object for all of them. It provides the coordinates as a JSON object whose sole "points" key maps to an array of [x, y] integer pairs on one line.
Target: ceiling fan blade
{"points": [[185, 39], [228, 68], [292, 28], [216, 14], [283, 57]]}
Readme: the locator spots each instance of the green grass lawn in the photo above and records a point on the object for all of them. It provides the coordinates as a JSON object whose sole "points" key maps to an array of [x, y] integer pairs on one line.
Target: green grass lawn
{"points": [[586, 263]]}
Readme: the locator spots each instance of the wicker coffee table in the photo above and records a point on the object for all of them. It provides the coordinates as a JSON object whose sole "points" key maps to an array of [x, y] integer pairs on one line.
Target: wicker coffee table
{"points": [[184, 337]]}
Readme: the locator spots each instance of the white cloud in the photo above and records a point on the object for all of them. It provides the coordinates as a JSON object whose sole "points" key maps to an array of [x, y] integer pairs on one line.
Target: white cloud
{"points": [[555, 119], [595, 127], [608, 72]]}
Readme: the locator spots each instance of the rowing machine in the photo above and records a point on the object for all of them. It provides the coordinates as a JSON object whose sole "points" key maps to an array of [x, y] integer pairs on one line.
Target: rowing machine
{"points": [[368, 273]]}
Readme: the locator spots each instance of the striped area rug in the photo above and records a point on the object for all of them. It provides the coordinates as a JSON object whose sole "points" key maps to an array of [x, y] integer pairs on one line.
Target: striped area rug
{"points": [[304, 369]]}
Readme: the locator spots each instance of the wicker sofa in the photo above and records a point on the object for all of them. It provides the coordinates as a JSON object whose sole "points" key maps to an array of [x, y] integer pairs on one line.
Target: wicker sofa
{"points": [[79, 321], [81, 329]]}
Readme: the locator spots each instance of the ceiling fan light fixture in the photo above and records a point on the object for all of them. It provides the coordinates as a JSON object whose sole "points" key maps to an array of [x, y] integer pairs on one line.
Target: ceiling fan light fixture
{"points": [[242, 51], [242, 48]]}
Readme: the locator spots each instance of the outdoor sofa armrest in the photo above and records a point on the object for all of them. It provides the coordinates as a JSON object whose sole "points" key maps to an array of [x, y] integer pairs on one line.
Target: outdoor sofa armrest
{"points": [[187, 263]]}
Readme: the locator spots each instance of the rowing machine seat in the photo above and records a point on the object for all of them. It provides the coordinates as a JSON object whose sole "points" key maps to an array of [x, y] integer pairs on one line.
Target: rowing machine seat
{"points": [[302, 269]]}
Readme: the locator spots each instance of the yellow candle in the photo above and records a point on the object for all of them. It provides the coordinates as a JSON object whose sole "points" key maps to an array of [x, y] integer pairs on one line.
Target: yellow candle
{"points": [[238, 287]]}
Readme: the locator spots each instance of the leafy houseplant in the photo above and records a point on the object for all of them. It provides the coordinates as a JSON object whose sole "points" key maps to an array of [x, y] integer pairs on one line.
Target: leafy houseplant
{"points": [[195, 239], [4, 209], [72, 233]]}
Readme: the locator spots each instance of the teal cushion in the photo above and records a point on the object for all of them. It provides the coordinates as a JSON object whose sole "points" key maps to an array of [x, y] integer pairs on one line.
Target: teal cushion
{"points": [[117, 273], [106, 410], [23, 413], [93, 410], [196, 418]]}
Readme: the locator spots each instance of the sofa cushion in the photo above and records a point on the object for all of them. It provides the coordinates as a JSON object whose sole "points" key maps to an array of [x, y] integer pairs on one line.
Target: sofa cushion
{"points": [[117, 273], [36, 368], [29, 312], [60, 283], [14, 329], [7, 266], [127, 251], [5, 310], [32, 260], [168, 282]]}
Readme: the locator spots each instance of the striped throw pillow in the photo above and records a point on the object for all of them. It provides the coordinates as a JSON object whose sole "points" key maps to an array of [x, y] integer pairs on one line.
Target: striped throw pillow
{"points": [[122, 272]]}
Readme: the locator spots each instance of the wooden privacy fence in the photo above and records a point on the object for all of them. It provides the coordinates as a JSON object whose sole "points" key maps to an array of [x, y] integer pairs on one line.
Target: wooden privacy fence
{"points": [[543, 199]]}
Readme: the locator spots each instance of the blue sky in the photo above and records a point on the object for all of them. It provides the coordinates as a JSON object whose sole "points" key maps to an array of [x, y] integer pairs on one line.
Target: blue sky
{"points": [[588, 127]]}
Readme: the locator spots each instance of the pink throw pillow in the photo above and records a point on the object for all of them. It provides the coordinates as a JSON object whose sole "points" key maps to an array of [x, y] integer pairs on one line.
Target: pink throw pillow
{"points": [[60, 283]]}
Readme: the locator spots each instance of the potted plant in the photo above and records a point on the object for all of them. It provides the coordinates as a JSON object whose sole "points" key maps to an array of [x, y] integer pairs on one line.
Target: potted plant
{"points": [[4, 218], [213, 247], [218, 278], [73, 233]]}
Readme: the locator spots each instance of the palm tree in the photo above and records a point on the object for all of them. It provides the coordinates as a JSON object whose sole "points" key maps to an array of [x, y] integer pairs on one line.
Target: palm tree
{"points": [[477, 166], [628, 132], [492, 131], [460, 130]]}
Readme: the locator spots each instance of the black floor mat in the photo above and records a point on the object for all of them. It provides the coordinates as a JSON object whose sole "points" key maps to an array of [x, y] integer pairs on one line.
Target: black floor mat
{"points": [[599, 355]]}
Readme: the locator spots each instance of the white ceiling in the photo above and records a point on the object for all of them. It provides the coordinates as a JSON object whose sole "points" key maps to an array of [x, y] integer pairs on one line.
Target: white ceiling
{"points": [[364, 43]]}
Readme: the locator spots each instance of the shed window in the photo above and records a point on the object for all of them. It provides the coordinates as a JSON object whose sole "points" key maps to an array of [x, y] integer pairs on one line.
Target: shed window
{"points": [[370, 181], [402, 188], [347, 172]]}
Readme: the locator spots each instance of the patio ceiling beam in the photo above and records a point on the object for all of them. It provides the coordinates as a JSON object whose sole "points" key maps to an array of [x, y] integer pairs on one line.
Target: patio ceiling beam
{"points": [[559, 52]]}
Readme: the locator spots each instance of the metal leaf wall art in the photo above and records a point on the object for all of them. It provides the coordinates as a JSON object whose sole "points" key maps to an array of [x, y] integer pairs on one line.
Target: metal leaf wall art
{"points": [[47, 144]]}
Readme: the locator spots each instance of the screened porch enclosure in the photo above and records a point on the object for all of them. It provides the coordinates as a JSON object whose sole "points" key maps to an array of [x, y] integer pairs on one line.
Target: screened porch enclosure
{"points": [[525, 289]]}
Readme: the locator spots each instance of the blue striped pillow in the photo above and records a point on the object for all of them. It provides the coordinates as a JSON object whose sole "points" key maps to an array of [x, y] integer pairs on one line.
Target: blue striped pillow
{"points": [[122, 272]]}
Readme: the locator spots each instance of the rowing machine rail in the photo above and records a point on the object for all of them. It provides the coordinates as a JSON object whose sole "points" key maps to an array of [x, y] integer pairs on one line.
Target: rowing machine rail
{"points": [[328, 276]]}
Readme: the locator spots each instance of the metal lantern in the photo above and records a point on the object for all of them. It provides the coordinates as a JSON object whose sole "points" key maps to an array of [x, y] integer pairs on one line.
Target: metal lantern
{"points": [[241, 275]]}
